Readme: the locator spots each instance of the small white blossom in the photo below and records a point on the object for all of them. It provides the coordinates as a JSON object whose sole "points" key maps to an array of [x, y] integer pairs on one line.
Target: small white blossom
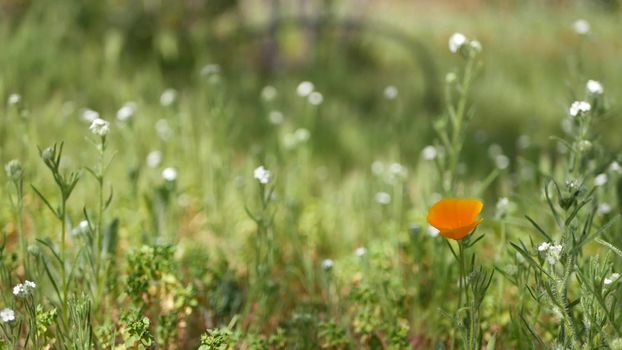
{"points": [[594, 87], [429, 153], [390, 92], [24, 289], [397, 171], [523, 141], [7, 315], [302, 134], [604, 208], [268, 93], [600, 180], [305, 88], [154, 158], [169, 174], [168, 97], [615, 167], [316, 98], [276, 117], [544, 246], [14, 99], [262, 175], [613, 278], [377, 168], [327, 264], [433, 231], [210, 69], [476, 46], [456, 41], [383, 198], [502, 161], [581, 26], [360, 251], [126, 112], [579, 107], [163, 129], [502, 206], [82, 228], [89, 115], [100, 127], [553, 254]]}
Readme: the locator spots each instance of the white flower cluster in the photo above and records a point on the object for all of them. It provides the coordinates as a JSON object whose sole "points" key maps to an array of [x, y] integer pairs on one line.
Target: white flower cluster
{"points": [[307, 89], [300, 135], [100, 127], [600, 180], [457, 41], [7, 315], [579, 107], [383, 198], [360, 251], [24, 289], [614, 277], [594, 87], [553, 252], [263, 175], [581, 26], [126, 112], [429, 152], [327, 264], [389, 172], [169, 174]]}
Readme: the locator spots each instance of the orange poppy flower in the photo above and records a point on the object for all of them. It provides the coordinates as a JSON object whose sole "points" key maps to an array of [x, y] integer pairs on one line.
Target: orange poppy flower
{"points": [[455, 218]]}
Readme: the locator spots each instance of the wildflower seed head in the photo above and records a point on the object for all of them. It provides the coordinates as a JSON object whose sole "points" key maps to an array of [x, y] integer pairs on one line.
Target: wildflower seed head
{"points": [[276, 117], [7, 315], [327, 264], [604, 208], [154, 158], [126, 112], [305, 88], [168, 97], [14, 99], [600, 180], [89, 115], [579, 107], [581, 26], [268, 93], [100, 127], [169, 174], [14, 170], [383, 198], [263, 175], [390, 92], [456, 41], [360, 251], [316, 98], [429, 153], [594, 87]]}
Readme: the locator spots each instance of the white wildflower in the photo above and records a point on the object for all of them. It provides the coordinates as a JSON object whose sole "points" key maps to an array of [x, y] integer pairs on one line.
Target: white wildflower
{"points": [[429, 153], [262, 175], [305, 88], [154, 158], [316, 98], [613, 278], [502, 206], [600, 180], [397, 170], [456, 41], [268, 93], [82, 228], [168, 97], [476, 46], [579, 107], [377, 168], [24, 289], [594, 87], [523, 141], [126, 112], [7, 315], [210, 69], [14, 99], [163, 129], [100, 127], [543, 247], [276, 117], [89, 115], [360, 251], [615, 167], [383, 198], [302, 134], [502, 161], [553, 254], [433, 231], [581, 26], [327, 264], [604, 208], [390, 92], [14, 170], [169, 174]]}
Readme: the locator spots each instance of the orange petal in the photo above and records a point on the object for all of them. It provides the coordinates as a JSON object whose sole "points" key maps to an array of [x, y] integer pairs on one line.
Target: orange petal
{"points": [[453, 214], [461, 232]]}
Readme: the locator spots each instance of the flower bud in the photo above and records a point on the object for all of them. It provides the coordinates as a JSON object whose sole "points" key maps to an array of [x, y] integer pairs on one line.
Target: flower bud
{"points": [[14, 170]]}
